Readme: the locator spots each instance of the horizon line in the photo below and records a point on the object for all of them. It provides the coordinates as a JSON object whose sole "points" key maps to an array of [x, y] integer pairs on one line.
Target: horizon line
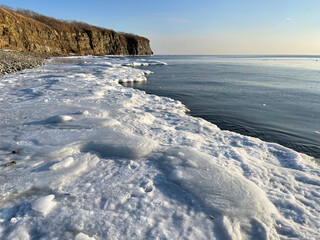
{"points": [[315, 55]]}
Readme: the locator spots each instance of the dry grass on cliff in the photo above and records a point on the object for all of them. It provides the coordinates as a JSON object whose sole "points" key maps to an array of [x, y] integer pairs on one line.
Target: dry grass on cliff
{"points": [[64, 25], [54, 23], [58, 25], [85, 26]]}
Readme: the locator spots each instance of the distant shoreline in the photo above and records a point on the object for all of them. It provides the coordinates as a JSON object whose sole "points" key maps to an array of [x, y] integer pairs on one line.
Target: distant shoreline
{"points": [[244, 55]]}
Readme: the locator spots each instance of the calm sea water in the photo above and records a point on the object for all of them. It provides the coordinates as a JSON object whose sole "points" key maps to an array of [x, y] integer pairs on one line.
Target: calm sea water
{"points": [[274, 98]]}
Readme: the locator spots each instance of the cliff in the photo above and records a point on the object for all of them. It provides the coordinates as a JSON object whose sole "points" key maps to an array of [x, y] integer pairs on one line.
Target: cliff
{"points": [[25, 30]]}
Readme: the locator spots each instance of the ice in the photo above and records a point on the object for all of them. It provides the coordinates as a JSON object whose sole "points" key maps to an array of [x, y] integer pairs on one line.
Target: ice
{"points": [[63, 164], [230, 194], [101, 161], [19, 233], [121, 145], [44, 204], [142, 62], [82, 236], [82, 112], [223, 192], [176, 176], [59, 119]]}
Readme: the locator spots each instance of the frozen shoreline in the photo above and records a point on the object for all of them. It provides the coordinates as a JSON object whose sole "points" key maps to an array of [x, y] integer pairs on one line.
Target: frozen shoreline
{"points": [[103, 161], [254, 96]]}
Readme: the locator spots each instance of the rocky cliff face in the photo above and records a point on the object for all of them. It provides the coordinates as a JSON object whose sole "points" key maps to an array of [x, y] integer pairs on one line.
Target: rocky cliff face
{"points": [[40, 34]]}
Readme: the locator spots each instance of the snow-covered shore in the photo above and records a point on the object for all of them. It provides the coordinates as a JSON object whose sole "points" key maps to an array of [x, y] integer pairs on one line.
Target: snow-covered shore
{"points": [[97, 160]]}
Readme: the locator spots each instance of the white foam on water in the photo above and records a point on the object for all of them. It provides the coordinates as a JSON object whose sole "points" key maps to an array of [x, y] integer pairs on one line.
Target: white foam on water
{"points": [[100, 161]]}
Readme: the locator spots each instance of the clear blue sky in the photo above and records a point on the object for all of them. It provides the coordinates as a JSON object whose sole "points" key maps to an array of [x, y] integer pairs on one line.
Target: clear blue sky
{"points": [[200, 27]]}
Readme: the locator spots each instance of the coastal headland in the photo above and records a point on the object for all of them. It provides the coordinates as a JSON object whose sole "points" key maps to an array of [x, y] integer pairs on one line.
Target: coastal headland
{"points": [[25, 30], [38, 36]]}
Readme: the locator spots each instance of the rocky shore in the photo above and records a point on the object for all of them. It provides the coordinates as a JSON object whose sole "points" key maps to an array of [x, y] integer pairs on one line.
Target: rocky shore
{"points": [[12, 61]]}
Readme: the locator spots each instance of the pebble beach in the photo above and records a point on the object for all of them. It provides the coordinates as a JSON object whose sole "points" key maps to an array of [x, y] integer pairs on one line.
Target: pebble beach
{"points": [[12, 61]]}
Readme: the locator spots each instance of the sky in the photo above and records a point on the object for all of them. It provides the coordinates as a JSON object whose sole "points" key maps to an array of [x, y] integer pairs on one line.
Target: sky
{"points": [[206, 27]]}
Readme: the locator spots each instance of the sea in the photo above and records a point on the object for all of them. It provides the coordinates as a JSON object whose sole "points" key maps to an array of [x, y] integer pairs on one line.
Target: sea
{"points": [[273, 98]]}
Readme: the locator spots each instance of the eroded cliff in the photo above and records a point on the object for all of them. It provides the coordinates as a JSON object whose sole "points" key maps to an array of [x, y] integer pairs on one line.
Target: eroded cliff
{"points": [[29, 31]]}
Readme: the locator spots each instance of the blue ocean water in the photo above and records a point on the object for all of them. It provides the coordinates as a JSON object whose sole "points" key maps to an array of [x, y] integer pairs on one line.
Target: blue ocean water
{"points": [[274, 98]]}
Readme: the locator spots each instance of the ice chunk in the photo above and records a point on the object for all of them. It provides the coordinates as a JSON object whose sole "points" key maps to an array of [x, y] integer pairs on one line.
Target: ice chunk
{"points": [[44, 204], [82, 236], [59, 119], [63, 164], [175, 176], [82, 112], [143, 62], [139, 78]]}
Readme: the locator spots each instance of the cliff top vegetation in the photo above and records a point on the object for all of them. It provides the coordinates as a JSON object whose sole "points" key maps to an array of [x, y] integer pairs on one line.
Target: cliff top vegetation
{"points": [[60, 24]]}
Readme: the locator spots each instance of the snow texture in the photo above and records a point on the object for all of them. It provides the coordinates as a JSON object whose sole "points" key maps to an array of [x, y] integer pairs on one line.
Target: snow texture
{"points": [[44, 204], [82, 236], [100, 161]]}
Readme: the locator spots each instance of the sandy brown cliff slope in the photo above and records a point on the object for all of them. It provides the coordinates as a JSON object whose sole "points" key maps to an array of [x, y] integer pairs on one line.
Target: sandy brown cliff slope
{"points": [[29, 31]]}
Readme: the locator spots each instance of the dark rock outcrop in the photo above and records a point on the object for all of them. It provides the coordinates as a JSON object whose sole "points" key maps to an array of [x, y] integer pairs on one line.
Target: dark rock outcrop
{"points": [[29, 31]]}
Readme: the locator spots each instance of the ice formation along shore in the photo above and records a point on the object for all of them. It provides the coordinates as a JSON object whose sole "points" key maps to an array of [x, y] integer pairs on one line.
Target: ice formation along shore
{"points": [[100, 161]]}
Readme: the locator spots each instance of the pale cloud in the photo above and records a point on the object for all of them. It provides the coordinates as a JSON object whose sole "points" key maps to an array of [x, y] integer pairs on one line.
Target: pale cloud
{"points": [[288, 19]]}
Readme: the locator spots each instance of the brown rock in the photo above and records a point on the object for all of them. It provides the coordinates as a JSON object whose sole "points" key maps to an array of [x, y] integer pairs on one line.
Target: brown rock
{"points": [[11, 163]]}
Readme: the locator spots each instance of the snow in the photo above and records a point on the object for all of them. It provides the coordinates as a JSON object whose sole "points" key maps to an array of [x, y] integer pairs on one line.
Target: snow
{"points": [[100, 161], [59, 119], [44, 204], [141, 62], [233, 196], [63, 164], [82, 236], [123, 145]]}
